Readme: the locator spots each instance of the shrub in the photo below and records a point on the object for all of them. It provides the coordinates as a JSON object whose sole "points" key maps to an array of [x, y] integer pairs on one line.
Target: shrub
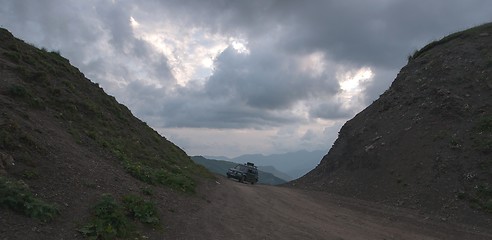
{"points": [[16, 196], [108, 222], [141, 210]]}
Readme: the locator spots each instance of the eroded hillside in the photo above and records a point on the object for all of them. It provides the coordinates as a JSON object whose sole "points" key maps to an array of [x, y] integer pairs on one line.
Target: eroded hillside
{"points": [[68, 149], [426, 143]]}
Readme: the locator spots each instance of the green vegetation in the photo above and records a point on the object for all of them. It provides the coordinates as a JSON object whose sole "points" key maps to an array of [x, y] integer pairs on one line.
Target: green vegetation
{"points": [[176, 180], [16, 196], [462, 34], [108, 221], [141, 210], [111, 220]]}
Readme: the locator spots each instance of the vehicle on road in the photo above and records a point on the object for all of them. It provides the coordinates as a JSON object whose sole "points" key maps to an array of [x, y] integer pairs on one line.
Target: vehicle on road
{"points": [[247, 172]]}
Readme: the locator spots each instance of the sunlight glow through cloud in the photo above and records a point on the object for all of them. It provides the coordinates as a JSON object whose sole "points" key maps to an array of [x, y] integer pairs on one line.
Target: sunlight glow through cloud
{"points": [[191, 54], [240, 46], [352, 85], [351, 81]]}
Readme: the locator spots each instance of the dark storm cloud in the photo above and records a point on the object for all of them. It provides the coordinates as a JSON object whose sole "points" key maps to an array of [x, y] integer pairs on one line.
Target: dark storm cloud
{"points": [[245, 90], [95, 35], [265, 80], [331, 110], [193, 108]]}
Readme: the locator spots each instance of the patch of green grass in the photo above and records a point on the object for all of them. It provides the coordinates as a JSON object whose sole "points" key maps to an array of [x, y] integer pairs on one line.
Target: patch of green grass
{"points": [[175, 180], [16, 196], [112, 219], [21, 92], [141, 210], [108, 221]]}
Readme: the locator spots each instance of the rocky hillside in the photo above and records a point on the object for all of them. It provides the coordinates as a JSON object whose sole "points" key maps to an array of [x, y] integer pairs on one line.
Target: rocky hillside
{"points": [[426, 143], [75, 162]]}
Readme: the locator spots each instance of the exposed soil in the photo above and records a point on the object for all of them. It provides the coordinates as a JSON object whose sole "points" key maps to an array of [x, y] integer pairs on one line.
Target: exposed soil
{"points": [[233, 210]]}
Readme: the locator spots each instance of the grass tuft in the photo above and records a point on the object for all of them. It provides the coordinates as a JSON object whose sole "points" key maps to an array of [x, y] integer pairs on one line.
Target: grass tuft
{"points": [[16, 196]]}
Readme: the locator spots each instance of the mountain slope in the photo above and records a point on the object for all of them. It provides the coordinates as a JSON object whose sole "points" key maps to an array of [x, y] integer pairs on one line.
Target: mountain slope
{"points": [[426, 143], [221, 167], [65, 143]]}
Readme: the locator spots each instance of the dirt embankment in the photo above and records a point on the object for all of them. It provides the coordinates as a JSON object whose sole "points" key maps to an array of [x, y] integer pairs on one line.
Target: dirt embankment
{"points": [[232, 210]]}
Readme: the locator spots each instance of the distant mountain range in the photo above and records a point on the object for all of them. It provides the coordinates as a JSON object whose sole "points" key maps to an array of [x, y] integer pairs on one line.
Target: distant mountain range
{"points": [[294, 164], [221, 167]]}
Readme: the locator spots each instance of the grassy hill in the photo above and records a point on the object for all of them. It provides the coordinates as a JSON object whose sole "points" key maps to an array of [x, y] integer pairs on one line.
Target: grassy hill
{"points": [[68, 150], [221, 167]]}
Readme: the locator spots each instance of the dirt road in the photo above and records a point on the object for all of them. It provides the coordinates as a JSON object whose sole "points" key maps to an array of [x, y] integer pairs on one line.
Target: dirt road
{"points": [[235, 210]]}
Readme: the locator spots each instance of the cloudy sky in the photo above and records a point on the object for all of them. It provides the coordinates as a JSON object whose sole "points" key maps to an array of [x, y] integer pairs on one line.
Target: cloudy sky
{"points": [[229, 77]]}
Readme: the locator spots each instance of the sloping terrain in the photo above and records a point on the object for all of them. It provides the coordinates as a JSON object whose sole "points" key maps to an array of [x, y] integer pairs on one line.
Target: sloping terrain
{"points": [[243, 211], [69, 151], [426, 143], [221, 167]]}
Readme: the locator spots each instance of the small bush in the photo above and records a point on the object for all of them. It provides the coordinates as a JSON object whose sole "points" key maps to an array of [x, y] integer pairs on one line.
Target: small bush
{"points": [[16, 196], [108, 222], [141, 210]]}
